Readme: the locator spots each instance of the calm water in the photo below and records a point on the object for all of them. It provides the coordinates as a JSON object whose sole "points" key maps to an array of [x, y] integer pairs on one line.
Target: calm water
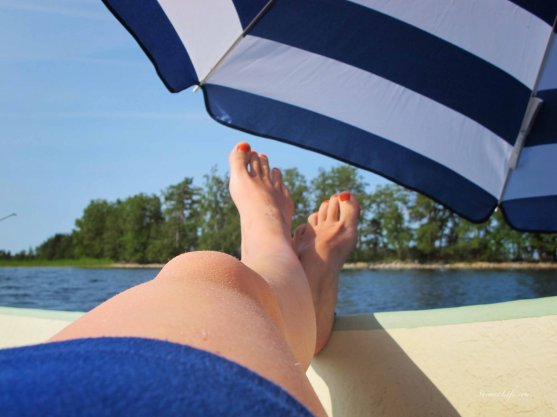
{"points": [[76, 289]]}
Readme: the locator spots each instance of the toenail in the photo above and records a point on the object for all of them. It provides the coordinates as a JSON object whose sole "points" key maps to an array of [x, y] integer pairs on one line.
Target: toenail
{"points": [[262, 155], [325, 201], [244, 147], [345, 197], [334, 196]]}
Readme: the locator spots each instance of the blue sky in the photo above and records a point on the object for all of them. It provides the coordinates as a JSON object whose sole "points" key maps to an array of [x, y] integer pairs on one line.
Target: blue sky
{"points": [[83, 115]]}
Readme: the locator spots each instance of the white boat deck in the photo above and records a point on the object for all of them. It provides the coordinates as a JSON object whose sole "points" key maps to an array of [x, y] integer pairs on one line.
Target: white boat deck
{"points": [[488, 360]]}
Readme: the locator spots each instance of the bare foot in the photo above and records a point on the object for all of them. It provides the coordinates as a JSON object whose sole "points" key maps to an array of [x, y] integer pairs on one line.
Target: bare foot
{"points": [[323, 244], [266, 210], [262, 200]]}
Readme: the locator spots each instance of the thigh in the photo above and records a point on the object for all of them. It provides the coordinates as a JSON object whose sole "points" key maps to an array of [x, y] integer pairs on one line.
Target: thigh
{"points": [[210, 301]]}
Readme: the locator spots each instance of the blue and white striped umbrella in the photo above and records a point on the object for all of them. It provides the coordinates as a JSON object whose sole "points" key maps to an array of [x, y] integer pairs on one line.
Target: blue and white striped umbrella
{"points": [[455, 99]]}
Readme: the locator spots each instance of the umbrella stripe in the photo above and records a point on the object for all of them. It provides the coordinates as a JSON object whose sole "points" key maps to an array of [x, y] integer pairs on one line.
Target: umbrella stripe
{"points": [[470, 26], [151, 28], [544, 9], [369, 102], [314, 131], [206, 35], [428, 93], [548, 80], [544, 130], [532, 214], [535, 175], [403, 54], [248, 9], [530, 199]]}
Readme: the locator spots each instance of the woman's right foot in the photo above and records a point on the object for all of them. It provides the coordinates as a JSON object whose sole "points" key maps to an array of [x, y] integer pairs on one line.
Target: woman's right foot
{"points": [[263, 202], [323, 244], [265, 208]]}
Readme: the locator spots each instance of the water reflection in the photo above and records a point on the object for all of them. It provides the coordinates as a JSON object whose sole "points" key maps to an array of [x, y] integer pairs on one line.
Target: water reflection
{"points": [[360, 291]]}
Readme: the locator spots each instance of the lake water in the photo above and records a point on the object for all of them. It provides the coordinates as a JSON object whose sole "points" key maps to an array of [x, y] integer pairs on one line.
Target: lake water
{"points": [[80, 289]]}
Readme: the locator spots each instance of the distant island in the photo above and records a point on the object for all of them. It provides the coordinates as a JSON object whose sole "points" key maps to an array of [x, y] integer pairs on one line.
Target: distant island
{"points": [[381, 266], [399, 228]]}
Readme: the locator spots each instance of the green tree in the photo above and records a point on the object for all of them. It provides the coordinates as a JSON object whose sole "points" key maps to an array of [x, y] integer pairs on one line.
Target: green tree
{"points": [[113, 232], [435, 227], [219, 225], [58, 246], [91, 229], [336, 179], [141, 217], [181, 214], [388, 220], [543, 247], [300, 194]]}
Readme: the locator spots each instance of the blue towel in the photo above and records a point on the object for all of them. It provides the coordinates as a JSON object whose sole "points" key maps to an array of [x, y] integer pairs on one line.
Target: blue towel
{"points": [[133, 377]]}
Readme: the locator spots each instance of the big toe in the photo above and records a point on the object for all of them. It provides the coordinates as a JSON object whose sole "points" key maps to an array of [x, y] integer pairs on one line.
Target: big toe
{"points": [[299, 232], [304, 237], [349, 209], [239, 158]]}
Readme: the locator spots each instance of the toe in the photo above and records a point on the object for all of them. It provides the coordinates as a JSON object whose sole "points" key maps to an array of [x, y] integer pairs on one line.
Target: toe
{"points": [[255, 165], [322, 213], [276, 176], [239, 158], [265, 170], [349, 208], [333, 208], [312, 219], [290, 203], [285, 191], [299, 232]]}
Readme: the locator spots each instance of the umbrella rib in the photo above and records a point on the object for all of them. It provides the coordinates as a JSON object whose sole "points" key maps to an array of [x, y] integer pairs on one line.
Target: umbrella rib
{"points": [[235, 43], [532, 110]]}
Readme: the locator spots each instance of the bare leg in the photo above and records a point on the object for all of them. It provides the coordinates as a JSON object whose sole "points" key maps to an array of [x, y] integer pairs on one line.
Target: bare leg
{"points": [[323, 244], [258, 312], [267, 246]]}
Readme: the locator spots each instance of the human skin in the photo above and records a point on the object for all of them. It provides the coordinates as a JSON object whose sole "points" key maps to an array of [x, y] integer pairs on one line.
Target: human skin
{"points": [[271, 311]]}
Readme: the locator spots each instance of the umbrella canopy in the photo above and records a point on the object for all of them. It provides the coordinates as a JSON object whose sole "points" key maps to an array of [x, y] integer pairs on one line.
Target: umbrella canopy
{"points": [[457, 100]]}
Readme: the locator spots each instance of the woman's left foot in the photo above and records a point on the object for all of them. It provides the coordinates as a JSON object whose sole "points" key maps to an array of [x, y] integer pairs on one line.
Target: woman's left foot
{"points": [[323, 244]]}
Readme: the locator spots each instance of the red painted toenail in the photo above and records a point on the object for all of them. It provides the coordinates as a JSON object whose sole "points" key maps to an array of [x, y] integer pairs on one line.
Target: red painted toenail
{"points": [[344, 197], [244, 147], [262, 155], [325, 201], [334, 196]]}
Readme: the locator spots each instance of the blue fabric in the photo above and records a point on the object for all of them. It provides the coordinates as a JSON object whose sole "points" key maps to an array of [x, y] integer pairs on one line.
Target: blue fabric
{"points": [[328, 136], [133, 377], [534, 214], [544, 9], [386, 46], [149, 25], [544, 130], [404, 54], [248, 9]]}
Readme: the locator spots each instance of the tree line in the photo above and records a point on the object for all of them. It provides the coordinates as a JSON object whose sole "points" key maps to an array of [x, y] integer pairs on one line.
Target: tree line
{"points": [[396, 224]]}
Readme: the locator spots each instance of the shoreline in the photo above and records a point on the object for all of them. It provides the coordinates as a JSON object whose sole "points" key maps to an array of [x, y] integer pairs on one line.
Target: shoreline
{"points": [[355, 266], [400, 265]]}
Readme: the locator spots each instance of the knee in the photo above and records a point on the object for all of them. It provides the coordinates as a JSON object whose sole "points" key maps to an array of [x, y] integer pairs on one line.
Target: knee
{"points": [[220, 269], [207, 261]]}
